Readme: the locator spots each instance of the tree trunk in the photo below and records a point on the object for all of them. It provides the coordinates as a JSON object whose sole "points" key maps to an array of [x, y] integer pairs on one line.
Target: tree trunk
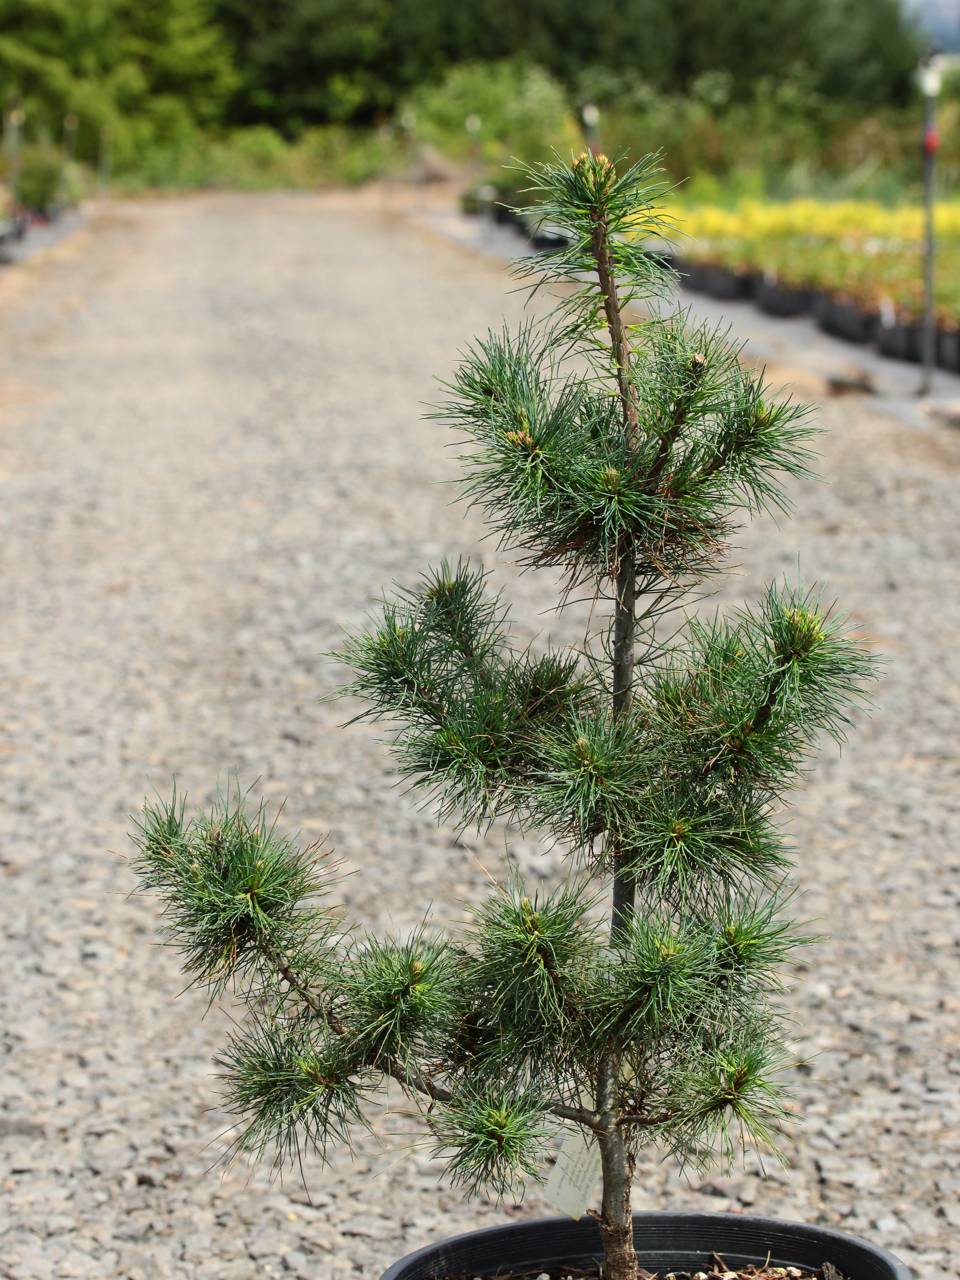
{"points": [[624, 643], [616, 1219]]}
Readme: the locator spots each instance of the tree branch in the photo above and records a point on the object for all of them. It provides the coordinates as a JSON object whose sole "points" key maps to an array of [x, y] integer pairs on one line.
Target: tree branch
{"points": [[678, 417], [647, 1121], [417, 1081], [437, 1093], [293, 982], [755, 725], [579, 1115], [410, 1079], [606, 274]]}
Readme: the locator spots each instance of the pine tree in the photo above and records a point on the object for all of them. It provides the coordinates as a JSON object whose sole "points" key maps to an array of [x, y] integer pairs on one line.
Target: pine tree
{"points": [[623, 451]]}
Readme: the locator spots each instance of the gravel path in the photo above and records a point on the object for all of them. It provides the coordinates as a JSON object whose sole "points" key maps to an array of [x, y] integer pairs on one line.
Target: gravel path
{"points": [[211, 458]]}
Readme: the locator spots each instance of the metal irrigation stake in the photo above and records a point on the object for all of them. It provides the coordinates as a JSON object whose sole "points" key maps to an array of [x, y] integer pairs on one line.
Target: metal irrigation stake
{"points": [[12, 126], [103, 175], [70, 123], [590, 115], [930, 80]]}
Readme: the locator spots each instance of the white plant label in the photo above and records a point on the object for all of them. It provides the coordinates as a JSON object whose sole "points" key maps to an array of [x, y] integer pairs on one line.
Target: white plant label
{"points": [[575, 1177]]}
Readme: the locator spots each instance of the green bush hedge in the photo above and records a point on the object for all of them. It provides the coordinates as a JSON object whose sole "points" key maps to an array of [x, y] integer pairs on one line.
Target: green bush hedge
{"points": [[41, 177], [493, 111]]}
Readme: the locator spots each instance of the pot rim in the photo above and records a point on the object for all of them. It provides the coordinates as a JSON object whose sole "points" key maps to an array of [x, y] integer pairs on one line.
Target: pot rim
{"points": [[895, 1268]]}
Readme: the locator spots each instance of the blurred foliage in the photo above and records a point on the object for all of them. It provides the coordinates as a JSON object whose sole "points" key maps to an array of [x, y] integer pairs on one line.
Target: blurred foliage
{"points": [[260, 159], [860, 251], [40, 169], [187, 92], [855, 222], [148, 73], [784, 139], [308, 61], [44, 182], [311, 60], [493, 110]]}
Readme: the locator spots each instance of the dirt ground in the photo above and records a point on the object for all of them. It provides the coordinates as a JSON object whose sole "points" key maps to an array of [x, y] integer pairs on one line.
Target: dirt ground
{"points": [[212, 458]]}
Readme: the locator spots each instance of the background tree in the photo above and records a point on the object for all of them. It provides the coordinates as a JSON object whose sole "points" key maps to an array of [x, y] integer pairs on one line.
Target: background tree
{"points": [[143, 71], [622, 452], [308, 61], [178, 82]]}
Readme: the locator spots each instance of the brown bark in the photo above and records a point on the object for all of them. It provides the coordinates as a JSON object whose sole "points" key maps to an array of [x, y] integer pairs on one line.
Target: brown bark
{"points": [[616, 1219], [600, 245], [624, 638]]}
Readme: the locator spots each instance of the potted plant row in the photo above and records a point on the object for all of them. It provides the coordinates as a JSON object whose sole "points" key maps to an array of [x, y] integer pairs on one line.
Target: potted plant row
{"points": [[638, 1000], [948, 341], [894, 328], [860, 297], [845, 314], [505, 201], [865, 298]]}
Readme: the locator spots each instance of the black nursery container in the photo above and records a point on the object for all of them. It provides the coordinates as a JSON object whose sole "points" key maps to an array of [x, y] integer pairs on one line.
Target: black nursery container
{"points": [[727, 285], [664, 1241], [784, 300], [505, 214], [948, 349], [846, 320], [900, 341], [693, 275], [543, 234]]}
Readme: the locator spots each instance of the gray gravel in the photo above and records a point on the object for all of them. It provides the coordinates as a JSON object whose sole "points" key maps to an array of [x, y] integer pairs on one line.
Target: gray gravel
{"points": [[212, 458]]}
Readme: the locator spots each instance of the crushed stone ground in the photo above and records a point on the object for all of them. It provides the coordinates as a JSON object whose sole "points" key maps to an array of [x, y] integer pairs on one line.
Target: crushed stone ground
{"points": [[211, 459]]}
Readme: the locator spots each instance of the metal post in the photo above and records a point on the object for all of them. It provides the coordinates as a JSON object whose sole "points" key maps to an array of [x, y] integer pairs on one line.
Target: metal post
{"points": [[474, 126], [590, 115], [69, 153], [103, 176], [930, 84], [14, 123], [70, 123]]}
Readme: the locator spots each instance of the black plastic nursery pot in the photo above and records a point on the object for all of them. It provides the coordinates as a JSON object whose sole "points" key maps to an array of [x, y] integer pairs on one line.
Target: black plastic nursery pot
{"points": [[693, 275], [948, 349], [543, 234], [665, 1242], [846, 320], [784, 300], [727, 285], [900, 341], [505, 214], [723, 283]]}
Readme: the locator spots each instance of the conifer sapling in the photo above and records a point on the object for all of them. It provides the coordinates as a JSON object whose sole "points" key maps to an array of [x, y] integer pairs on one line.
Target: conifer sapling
{"points": [[623, 451]]}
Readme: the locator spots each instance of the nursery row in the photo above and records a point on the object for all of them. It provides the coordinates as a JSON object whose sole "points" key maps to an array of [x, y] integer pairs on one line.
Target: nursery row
{"points": [[856, 266], [12, 223], [16, 223], [35, 188]]}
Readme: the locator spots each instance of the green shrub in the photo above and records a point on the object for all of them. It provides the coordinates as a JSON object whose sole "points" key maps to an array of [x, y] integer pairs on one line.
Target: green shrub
{"points": [[41, 169], [339, 155], [259, 159], [499, 110], [783, 140]]}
